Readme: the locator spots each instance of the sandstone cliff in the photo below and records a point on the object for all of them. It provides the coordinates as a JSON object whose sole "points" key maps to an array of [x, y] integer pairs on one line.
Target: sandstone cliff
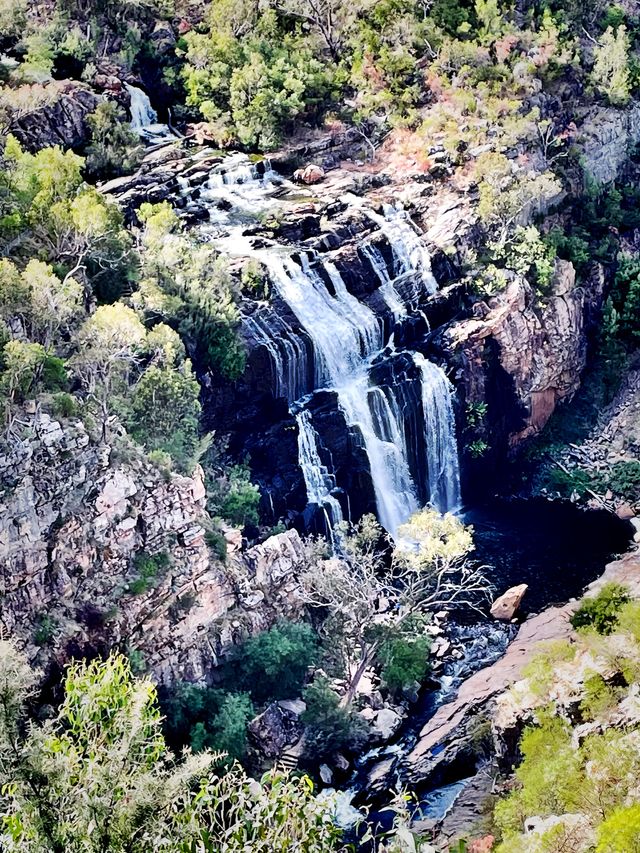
{"points": [[79, 521]]}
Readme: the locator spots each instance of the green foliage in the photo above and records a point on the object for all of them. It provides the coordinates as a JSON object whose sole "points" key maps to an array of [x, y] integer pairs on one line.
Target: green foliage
{"points": [[186, 284], [239, 500], [571, 247], [230, 725], [64, 405], [541, 668], [330, 727], [45, 630], [218, 544], [598, 697], [114, 148], [207, 718], [405, 661], [253, 88], [13, 14], [165, 412], [601, 612], [556, 778], [148, 569], [610, 73], [107, 782], [274, 664], [620, 832], [527, 254]]}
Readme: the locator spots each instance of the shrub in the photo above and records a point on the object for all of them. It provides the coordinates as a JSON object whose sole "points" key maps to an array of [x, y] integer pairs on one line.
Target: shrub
{"points": [[239, 503], [230, 725], [602, 611], [218, 544], [45, 631], [148, 568], [598, 696], [64, 405], [541, 668], [330, 728], [624, 480], [114, 148], [620, 832], [273, 665], [405, 660]]}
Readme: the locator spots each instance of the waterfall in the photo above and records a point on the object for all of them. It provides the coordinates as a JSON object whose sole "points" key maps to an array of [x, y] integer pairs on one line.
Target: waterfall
{"points": [[142, 113], [346, 334], [144, 119], [319, 483], [387, 286], [440, 437], [403, 421]]}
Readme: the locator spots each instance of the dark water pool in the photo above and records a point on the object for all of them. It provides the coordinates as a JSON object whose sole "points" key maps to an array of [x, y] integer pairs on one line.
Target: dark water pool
{"points": [[554, 547]]}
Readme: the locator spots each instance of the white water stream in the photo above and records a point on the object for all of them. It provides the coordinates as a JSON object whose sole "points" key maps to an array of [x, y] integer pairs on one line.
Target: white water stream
{"points": [[346, 337]]}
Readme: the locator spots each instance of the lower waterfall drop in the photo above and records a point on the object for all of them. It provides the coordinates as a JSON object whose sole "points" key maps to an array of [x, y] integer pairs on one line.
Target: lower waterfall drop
{"points": [[319, 483], [346, 334], [440, 437]]}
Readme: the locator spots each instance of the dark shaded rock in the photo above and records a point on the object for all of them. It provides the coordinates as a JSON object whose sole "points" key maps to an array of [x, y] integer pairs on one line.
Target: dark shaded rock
{"points": [[59, 119], [275, 729]]}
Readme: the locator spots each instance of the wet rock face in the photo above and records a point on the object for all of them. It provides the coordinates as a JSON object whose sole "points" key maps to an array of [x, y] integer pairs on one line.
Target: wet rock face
{"points": [[59, 119]]}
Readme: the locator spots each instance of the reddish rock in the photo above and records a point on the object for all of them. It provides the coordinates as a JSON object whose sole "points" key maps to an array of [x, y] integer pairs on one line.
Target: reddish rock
{"points": [[506, 606], [311, 174], [625, 512]]}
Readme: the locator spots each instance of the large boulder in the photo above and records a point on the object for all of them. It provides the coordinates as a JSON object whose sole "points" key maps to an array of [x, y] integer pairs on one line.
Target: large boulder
{"points": [[311, 174], [276, 728], [507, 605], [57, 115]]}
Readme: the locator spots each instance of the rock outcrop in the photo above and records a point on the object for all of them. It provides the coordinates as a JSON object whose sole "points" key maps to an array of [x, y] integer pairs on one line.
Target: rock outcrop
{"points": [[445, 737], [521, 356], [507, 605], [608, 137], [55, 114], [80, 526]]}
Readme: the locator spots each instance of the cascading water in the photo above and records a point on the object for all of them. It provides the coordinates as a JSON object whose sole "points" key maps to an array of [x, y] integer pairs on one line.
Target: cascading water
{"points": [[440, 437], [318, 481], [346, 334], [346, 340], [144, 119], [142, 113]]}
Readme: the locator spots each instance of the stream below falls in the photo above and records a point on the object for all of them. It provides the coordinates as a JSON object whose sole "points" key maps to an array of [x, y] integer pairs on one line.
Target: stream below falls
{"points": [[557, 549]]}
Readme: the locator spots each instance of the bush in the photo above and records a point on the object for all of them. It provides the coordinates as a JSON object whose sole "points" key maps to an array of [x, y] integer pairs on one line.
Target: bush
{"points": [[218, 544], [274, 664], [114, 148], [207, 718], [330, 728], [148, 569], [405, 660], [45, 631], [240, 499], [601, 612], [64, 405], [624, 480]]}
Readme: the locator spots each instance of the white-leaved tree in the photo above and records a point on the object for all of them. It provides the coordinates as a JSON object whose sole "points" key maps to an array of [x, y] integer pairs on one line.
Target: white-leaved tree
{"points": [[368, 602]]}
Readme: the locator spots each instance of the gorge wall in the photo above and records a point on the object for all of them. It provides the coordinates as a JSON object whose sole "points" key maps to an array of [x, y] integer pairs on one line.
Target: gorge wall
{"points": [[78, 518]]}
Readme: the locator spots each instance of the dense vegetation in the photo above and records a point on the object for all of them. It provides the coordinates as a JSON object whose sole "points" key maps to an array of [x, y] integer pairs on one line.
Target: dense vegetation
{"points": [[579, 785]]}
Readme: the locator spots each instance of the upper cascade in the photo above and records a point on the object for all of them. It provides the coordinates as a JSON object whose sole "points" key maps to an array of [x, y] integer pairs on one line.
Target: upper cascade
{"points": [[144, 119], [407, 433]]}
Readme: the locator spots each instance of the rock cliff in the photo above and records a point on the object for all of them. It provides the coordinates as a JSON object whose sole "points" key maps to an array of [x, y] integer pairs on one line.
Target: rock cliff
{"points": [[54, 114], [80, 526]]}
